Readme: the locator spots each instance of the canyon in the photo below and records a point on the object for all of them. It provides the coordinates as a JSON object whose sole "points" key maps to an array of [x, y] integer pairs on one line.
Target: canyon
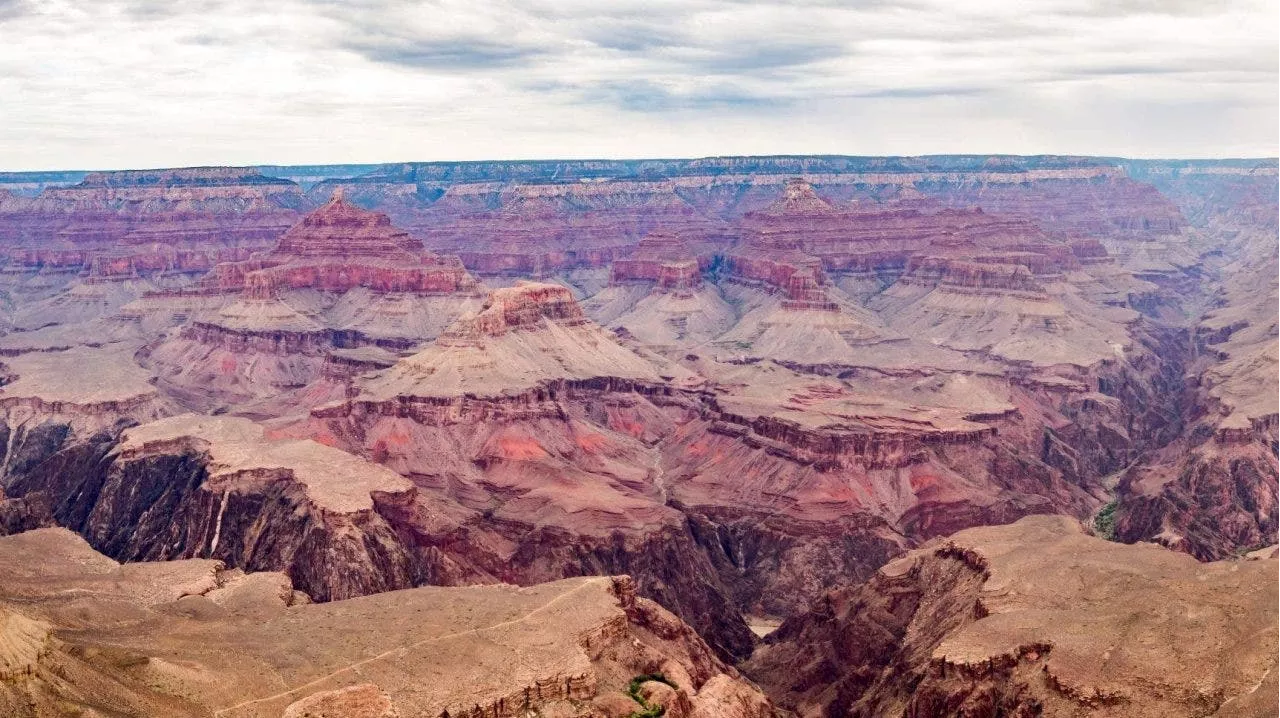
{"points": [[662, 405]]}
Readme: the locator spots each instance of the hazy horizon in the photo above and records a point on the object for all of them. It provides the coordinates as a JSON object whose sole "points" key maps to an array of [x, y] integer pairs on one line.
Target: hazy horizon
{"points": [[5, 170], [146, 83]]}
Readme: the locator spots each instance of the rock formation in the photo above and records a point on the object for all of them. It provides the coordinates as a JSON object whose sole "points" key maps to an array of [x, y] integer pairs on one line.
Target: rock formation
{"points": [[657, 293], [745, 382], [209, 207], [534, 230], [339, 247], [1211, 492], [355, 279], [189, 638], [1034, 618]]}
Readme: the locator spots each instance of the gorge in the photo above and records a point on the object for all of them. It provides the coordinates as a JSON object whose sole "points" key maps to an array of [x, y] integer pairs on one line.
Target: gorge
{"points": [[985, 435]]}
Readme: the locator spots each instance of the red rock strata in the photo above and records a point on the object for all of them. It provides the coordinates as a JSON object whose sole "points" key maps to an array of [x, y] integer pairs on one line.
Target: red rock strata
{"points": [[665, 258], [537, 219], [773, 255], [339, 247], [211, 207], [800, 379], [537, 230], [522, 307], [797, 241], [160, 259], [976, 276]]}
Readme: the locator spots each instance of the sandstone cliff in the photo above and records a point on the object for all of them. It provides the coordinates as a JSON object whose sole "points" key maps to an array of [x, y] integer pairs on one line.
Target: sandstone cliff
{"points": [[189, 638], [1035, 618]]}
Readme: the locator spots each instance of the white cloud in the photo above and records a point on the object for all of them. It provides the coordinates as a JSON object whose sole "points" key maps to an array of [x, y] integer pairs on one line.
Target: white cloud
{"points": [[159, 83]]}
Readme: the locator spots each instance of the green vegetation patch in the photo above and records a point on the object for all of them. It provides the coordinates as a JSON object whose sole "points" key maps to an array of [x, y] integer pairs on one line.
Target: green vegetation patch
{"points": [[633, 690], [1104, 524]]}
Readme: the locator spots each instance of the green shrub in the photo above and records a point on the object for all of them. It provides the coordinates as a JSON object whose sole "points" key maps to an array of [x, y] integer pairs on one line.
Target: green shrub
{"points": [[1104, 524], [633, 690]]}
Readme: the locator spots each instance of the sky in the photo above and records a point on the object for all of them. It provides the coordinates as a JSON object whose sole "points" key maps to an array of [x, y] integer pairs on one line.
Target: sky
{"points": [[95, 84]]}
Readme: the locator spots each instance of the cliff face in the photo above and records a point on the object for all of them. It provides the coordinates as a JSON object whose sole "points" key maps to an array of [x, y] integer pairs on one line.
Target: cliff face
{"points": [[850, 653], [770, 387], [669, 261], [52, 400], [539, 229], [523, 307], [497, 650], [205, 487], [515, 219], [186, 488], [1026, 620], [18, 515], [357, 281], [978, 277], [211, 206], [678, 468], [1212, 491], [339, 247]]}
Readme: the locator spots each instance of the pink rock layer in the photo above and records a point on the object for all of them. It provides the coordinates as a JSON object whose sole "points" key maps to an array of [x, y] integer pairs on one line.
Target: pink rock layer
{"points": [[339, 247]]}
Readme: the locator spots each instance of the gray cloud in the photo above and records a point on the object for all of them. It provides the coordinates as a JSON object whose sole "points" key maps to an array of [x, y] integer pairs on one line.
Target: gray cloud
{"points": [[215, 81], [443, 54], [651, 97], [13, 8], [764, 57], [633, 35], [1119, 8], [924, 92], [151, 10]]}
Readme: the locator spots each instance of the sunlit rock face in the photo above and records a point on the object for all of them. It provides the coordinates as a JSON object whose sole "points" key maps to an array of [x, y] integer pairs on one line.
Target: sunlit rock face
{"points": [[1020, 620], [190, 637]]}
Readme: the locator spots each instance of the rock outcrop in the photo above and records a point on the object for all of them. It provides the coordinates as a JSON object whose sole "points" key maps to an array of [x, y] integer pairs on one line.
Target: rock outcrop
{"points": [[1034, 618], [536, 230], [341, 278], [52, 400], [215, 487], [339, 247], [657, 293], [189, 638], [207, 206]]}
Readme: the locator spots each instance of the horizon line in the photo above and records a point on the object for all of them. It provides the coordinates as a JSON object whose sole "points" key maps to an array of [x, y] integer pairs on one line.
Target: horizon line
{"points": [[788, 155]]}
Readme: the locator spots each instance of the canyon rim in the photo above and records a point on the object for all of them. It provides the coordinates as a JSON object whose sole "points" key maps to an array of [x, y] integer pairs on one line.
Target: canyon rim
{"points": [[780, 395]]}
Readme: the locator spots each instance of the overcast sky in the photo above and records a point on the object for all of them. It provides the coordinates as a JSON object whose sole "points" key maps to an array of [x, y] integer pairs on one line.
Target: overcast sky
{"points": [[92, 84]]}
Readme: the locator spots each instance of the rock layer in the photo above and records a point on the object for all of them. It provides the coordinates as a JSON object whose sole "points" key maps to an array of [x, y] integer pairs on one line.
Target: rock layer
{"points": [[188, 638], [1035, 618]]}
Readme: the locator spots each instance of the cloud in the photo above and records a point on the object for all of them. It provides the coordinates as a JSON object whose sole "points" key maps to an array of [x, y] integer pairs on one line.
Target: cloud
{"points": [[150, 10], [764, 56], [145, 82], [923, 92], [651, 97], [13, 8], [444, 54], [1120, 8]]}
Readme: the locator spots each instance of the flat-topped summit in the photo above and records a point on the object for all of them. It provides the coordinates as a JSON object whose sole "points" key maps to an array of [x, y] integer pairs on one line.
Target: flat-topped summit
{"points": [[524, 336], [242, 458], [180, 177], [522, 306], [663, 256]]}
